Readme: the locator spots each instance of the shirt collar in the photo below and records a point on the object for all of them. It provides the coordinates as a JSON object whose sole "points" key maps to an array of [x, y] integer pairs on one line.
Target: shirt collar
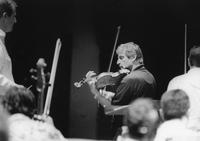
{"points": [[194, 69], [17, 116], [2, 33], [137, 67]]}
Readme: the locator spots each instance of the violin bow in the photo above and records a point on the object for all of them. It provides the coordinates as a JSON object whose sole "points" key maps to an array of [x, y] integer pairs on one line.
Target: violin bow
{"points": [[113, 51], [114, 48], [52, 78], [185, 49]]}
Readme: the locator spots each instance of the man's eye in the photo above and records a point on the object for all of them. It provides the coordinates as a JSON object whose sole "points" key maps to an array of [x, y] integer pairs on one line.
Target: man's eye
{"points": [[121, 57]]}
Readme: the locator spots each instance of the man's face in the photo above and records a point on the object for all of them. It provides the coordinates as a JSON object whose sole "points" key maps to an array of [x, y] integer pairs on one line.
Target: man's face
{"points": [[123, 61], [9, 22]]}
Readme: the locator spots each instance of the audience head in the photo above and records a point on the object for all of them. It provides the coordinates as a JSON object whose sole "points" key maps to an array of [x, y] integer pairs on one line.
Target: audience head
{"points": [[142, 118], [19, 100], [194, 57], [174, 104]]}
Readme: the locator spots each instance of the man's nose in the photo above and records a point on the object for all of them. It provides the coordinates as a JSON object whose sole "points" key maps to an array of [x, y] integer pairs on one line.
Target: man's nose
{"points": [[118, 61]]}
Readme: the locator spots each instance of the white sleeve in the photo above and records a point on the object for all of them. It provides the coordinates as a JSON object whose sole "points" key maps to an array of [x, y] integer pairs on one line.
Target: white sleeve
{"points": [[160, 135], [5, 82]]}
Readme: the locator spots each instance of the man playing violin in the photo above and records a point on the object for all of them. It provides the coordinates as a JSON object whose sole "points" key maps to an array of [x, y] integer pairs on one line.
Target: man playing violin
{"points": [[139, 82]]}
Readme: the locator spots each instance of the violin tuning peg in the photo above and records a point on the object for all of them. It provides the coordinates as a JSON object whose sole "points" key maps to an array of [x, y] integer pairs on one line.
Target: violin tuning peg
{"points": [[32, 70], [33, 77], [41, 62], [76, 84]]}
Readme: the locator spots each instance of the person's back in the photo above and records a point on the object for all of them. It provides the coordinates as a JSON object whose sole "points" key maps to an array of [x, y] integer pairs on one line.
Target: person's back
{"points": [[189, 82], [176, 130]]}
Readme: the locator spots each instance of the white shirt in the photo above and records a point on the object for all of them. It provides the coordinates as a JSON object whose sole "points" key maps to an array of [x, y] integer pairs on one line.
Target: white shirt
{"points": [[6, 77], [121, 138], [176, 130], [22, 128], [190, 83]]}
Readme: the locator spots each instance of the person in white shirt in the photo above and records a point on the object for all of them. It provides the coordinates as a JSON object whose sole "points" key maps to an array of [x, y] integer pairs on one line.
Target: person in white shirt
{"points": [[190, 83], [174, 109], [7, 21]]}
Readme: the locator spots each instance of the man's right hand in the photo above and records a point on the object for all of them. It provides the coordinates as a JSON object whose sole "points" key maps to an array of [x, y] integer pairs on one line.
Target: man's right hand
{"points": [[107, 94]]}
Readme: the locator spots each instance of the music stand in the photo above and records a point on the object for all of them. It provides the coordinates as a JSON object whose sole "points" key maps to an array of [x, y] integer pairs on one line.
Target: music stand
{"points": [[120, 110]]}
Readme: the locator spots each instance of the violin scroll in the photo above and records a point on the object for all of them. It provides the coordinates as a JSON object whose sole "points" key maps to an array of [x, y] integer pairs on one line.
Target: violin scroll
{"points": [[80, 83], [88, 77]]}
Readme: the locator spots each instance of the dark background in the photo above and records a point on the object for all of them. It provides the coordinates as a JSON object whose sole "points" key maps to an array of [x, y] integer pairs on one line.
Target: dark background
{"points": [[157, 26]]}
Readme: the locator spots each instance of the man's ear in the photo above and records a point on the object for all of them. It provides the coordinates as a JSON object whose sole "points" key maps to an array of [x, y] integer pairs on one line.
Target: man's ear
{"points": [[4, 15], [161, 114], [133, 58]]}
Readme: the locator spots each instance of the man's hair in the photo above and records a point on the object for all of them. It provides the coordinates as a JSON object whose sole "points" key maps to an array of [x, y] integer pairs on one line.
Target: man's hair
{"points": [[142, 118], [174, 104], [19, 100], [131, 49], [8, 7], [194, 56]]}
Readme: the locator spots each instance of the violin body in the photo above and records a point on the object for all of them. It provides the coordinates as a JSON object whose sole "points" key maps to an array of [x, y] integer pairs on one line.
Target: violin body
{"points": [[109, 80]]}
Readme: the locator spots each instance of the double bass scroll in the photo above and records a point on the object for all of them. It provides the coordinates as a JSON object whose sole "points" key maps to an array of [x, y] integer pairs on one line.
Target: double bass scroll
{"points": [[40, 78], [41, 84]]}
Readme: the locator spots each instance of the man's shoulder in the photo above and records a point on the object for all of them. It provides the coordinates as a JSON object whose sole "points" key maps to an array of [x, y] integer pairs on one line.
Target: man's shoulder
{"points": [[191, 74], [176, 81], [176, 131], [140, 76], [178, 78], [133, 77]]}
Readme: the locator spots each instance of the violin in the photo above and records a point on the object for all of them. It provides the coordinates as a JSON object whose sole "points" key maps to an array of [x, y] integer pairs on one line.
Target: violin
{"points": [[103, 79]]}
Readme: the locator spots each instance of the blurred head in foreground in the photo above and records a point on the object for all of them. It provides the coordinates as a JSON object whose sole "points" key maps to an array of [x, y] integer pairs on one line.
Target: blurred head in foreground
{"points": [[142, 119]]}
